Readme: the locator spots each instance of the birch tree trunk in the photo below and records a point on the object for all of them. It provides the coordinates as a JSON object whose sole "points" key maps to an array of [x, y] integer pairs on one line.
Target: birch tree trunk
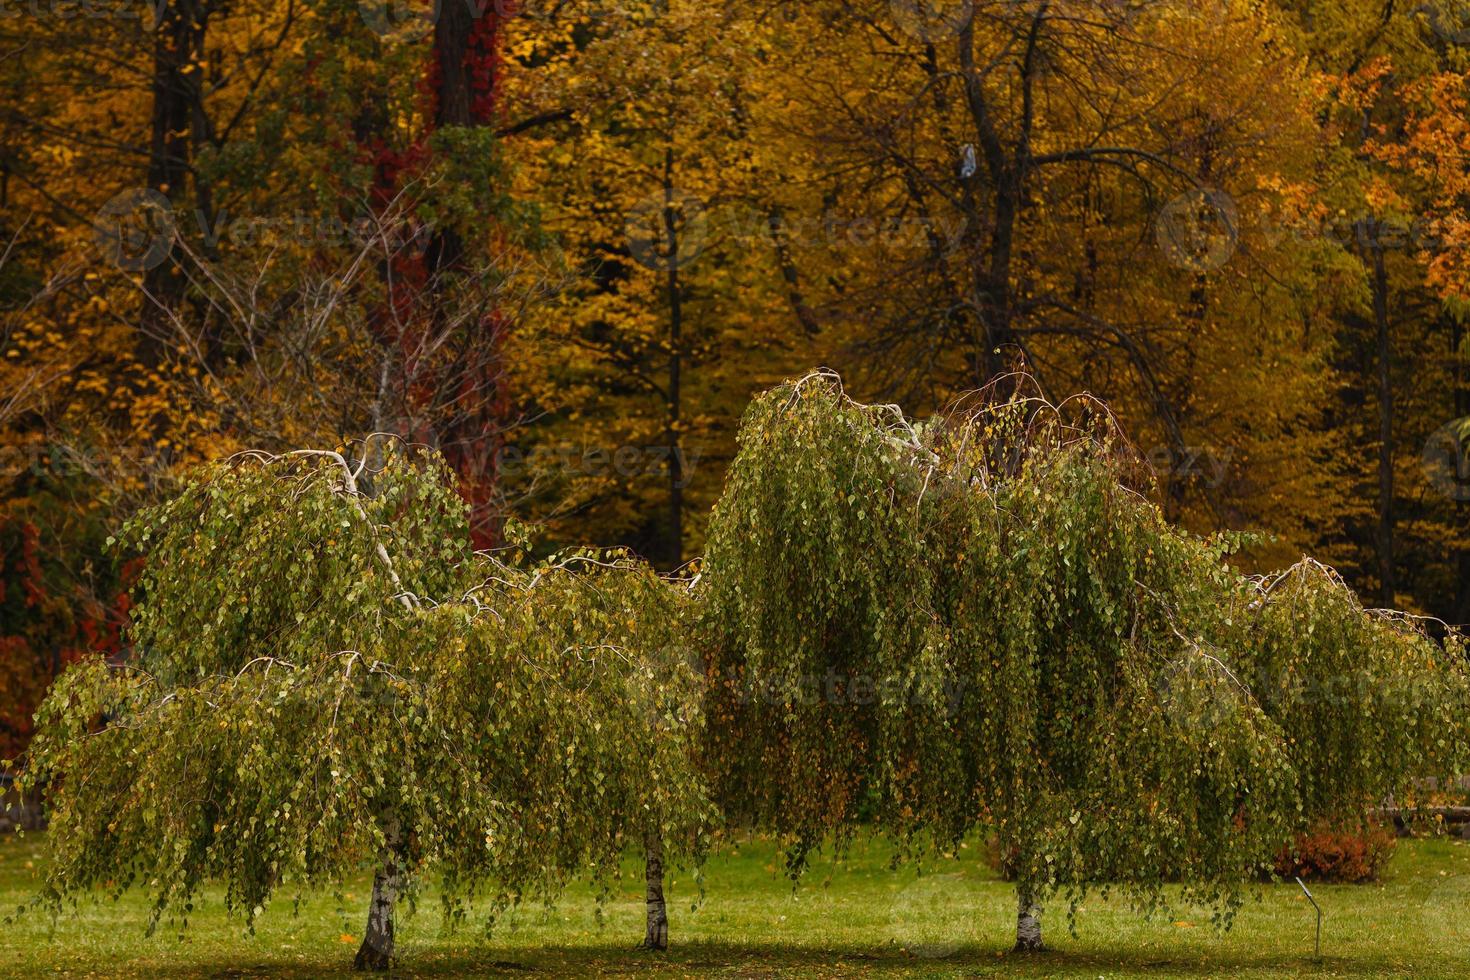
{"points": [[376, 951], [1028, 921], [656, 935]]}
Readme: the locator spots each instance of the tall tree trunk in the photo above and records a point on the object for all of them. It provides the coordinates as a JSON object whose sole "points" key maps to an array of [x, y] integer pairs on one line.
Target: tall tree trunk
{"points": [[1461, 505], [1386, 584], [656, 933], [376, 951], [1028, 920], [465, 80], [178, 49], [676, 366], [656, 930], [1008, 172]]}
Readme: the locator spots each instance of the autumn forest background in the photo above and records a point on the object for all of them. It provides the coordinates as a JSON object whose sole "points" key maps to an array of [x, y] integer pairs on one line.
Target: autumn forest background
{"points": [[566, 242]]}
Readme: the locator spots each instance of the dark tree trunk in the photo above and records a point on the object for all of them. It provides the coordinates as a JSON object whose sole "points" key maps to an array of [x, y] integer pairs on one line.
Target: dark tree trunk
{"points": [[178, 49], [656, 933], [676, 366], [1461, 610], [1386, 583], [467, 58], [1008, 171], [454, 95]]}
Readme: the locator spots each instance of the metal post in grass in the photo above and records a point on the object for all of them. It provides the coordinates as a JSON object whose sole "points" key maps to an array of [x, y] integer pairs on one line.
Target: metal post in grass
{"points": [[1303, 887]]}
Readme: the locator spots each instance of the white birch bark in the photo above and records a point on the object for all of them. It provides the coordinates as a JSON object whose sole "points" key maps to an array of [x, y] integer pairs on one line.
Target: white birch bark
{"points": [[1028, 921], [376, 951], [656, 933]]}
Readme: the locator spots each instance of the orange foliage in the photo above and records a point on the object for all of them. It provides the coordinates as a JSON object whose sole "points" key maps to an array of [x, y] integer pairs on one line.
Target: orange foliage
{"points": [[1327, 853]]}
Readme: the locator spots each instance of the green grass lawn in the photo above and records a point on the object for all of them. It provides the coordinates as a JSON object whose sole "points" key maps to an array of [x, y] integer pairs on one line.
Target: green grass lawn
{"points": [[854, 917]]}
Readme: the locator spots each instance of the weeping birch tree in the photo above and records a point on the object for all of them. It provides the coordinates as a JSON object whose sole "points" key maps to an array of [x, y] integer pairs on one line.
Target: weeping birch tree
{"points": [[325, 679], [981, 623], [1374, 707]]}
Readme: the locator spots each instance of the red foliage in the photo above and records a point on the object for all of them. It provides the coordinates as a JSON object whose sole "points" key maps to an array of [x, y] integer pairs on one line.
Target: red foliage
{"points": [[49, 621], [472, 442], [1327, 853], [30, 564]]}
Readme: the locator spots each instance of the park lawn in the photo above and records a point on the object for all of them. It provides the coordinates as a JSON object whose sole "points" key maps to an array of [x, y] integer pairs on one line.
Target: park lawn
{"points": [[854, 917]]}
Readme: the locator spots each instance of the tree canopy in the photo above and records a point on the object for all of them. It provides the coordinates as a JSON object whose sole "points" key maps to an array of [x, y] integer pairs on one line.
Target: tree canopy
{"points": [[327, 677], [975, 623], [272, 225], [562, 245], [979, 622]]}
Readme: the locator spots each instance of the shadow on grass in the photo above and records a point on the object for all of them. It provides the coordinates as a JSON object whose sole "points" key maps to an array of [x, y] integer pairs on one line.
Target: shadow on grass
{"points": [[745, 960]]}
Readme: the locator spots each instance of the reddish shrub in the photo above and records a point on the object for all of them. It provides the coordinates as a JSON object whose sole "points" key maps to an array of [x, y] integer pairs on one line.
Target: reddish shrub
{"points": [[1328, 853]]}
